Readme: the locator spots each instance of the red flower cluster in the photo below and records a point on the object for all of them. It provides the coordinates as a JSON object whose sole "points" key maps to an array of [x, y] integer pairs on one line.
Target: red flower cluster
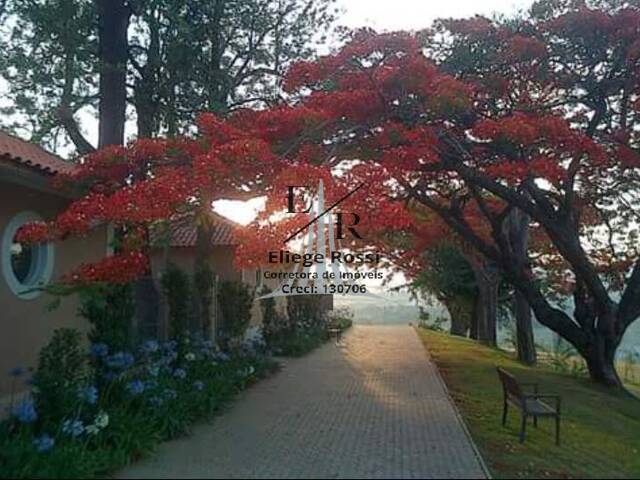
{"points": [[120, 268]]}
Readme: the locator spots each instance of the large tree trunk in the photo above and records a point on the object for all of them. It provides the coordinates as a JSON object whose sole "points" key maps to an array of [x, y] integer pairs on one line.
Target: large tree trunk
{"points": [[459, 319], [525, 341], [518, 234], [113, 23], [600, 356], [147, 84], [485, 310]]}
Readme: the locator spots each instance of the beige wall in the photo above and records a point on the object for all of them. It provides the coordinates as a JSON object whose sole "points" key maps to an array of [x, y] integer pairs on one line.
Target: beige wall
{"points": [[26, 325]]}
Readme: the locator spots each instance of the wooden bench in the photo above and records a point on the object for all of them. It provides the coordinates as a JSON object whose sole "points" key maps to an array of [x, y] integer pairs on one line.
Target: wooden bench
{"points": [[335, 332], [530, 405]]}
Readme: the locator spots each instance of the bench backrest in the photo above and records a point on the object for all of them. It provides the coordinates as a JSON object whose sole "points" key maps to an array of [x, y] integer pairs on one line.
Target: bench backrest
{"points": [[510, 385]]}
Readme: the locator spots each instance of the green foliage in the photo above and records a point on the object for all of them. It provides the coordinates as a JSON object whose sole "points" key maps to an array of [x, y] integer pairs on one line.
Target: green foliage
{"points": [[341, 318], [109, 309], [298, 342], [50, 59], [302, 330], [272, 322], [236, 300], [155, 396], [179, 294], [425, 321], [203, 280], [304, 310], [447, 276], [62, 368], [564, 358]]}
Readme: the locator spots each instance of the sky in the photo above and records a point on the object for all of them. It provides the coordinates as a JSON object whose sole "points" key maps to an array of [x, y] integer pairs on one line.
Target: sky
{"points": [[418, 14]]}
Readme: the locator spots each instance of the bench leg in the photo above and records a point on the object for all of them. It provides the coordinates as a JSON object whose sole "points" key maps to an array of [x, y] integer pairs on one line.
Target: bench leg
{"points": [[535, 421], [504, 413], [523, 427], [558, 430]]}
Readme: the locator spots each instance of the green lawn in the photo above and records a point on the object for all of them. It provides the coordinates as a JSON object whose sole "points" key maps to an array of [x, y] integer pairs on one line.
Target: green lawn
{"points": [[600, 429]]}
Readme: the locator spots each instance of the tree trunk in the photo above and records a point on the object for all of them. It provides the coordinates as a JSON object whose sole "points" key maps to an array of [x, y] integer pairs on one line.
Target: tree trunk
{"points": [[147, 84], [459, 321], [600, 356], [485, 310], [205, 230], [518, 234], [525, 341], [113, 23]]}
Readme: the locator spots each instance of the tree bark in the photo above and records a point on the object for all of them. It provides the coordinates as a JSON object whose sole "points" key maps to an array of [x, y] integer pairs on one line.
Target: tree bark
{"points": [[205, 229], [600, 356], [113, 23], [485, 310], [525, 341], [459, 320], [518, 234], [146, 86]]}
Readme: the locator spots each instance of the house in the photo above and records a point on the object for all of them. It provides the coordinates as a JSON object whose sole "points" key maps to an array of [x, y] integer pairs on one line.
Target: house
{"points": [[177, 246], [26, 194]]}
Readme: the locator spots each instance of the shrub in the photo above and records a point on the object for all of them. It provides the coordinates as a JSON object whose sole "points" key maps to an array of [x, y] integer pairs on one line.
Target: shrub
{"points": [[203, 280], [273, 323], [303, 330], [236, 300], [341, 318], [109, 309], [146, 396], [62, 369], [177, 290]]}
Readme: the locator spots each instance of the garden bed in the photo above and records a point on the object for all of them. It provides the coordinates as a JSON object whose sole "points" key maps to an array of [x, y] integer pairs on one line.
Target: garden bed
{"points": [[93, 413]]}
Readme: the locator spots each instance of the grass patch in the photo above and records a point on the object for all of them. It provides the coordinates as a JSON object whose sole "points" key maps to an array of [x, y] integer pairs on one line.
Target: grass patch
{"points": [[600, 429]]}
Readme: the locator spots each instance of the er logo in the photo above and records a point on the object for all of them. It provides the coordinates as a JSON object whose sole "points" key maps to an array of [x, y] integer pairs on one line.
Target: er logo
{"points": [[340, 216]]}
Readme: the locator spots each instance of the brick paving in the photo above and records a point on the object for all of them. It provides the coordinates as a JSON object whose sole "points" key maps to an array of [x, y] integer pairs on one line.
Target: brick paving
{"points": [[372, 407]]}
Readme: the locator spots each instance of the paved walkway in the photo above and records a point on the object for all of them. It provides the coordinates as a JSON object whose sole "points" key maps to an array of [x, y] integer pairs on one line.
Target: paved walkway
{"points": [[373, 407]]}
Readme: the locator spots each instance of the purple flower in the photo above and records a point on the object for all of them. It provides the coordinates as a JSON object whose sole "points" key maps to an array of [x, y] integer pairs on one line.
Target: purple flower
{"points": [[150, 384], [25, 411], [222, 357], [154, 370], [88, 394], [44, 443], [180, 373], [17, 372], [171, 345], [135, 387], [150, 346], [73, 428], [198, 385], [110, 376], [120, 360], [170, 393], [99, 350], [156, 401]]}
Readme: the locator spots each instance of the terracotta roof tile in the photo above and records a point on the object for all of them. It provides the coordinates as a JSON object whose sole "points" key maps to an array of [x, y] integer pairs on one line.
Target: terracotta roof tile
{"points": [[184, 232], [31, 155]]}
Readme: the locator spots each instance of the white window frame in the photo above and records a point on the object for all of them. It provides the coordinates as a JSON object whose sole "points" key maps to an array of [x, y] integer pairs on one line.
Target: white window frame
{"points": [[42, 267]]}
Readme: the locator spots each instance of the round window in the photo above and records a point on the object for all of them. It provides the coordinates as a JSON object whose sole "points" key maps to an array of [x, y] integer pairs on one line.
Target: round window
{"points": [[25, 267]]}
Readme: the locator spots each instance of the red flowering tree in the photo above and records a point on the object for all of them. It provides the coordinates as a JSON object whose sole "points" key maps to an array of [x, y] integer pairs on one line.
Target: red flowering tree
{"points": [[537, 116], [546, 123]]}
